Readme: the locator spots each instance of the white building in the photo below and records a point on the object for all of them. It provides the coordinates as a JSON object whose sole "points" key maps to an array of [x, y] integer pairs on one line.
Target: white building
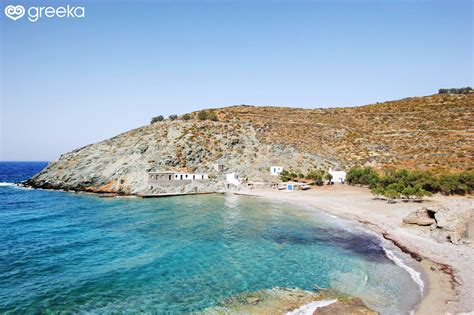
{"points": [[219, 167], [233, 178], [276, 170], [163, 177], [338, 177], [189, 176]]}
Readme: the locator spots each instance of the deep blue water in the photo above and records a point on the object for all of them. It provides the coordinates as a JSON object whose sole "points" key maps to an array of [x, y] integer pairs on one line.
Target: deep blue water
{"points": [[65, 252], [12, 172]]}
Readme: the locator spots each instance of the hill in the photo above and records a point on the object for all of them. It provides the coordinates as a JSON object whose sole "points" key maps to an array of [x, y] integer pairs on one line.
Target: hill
{"points": [[433, 132]]}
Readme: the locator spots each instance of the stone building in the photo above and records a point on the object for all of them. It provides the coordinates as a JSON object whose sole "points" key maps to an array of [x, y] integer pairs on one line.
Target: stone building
{"points": [[173, 178]]}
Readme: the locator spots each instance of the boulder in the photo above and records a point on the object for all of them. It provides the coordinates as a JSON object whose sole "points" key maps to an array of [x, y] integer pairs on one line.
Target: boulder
{"points": [[451, 222], [440, 235], [445, 224], [423, 217], [455, 236], [442, 220]]}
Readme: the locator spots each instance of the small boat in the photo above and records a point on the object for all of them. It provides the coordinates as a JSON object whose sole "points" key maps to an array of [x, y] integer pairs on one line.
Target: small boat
{"points": [[305, 187]]}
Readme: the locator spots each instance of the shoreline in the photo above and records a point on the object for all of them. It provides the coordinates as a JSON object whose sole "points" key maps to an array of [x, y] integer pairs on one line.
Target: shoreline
{"points": [[449, 280], [449, 276]]}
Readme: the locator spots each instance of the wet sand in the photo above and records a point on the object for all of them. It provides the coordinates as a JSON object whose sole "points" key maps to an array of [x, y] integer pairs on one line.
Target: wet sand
{"points": [[447, 267]]}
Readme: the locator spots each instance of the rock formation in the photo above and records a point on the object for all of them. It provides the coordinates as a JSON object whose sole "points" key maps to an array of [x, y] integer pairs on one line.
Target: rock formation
{"points": [[423, 217], [284, 300], [452, 223]]}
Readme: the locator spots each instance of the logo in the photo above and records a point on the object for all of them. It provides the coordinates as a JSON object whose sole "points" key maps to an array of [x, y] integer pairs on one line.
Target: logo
{"points": [[35, 13], [14, 12]]}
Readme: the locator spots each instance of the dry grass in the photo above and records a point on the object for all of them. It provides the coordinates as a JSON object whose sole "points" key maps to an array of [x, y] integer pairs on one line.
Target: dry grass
{"points": [[431, 132]]}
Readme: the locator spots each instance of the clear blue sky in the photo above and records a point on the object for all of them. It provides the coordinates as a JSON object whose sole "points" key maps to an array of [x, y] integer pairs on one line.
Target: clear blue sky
{"points": [[66, 83]]}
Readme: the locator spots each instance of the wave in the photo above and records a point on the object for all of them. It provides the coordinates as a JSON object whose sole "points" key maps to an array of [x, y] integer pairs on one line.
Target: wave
{"points": [[6, 184], [25, 187], [415, 275], [309, 308]]}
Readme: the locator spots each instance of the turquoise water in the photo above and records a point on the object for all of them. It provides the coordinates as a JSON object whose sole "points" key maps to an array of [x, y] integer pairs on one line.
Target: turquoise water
{"points": [[63, 252]]}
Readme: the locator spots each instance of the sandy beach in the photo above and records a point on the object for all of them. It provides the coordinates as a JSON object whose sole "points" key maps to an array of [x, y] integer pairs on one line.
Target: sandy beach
{"points": [[447, 267]]}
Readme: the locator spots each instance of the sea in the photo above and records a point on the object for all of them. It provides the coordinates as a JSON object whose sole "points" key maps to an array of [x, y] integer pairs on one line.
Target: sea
{"points": [[63, 252]]}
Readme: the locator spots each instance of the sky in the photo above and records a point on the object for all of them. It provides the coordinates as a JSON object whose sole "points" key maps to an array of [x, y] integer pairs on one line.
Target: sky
{"points": [[69, 82]]}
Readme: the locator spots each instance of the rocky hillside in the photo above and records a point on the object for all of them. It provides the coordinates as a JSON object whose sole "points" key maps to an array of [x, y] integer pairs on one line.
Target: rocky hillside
{"points": [[433, 132], [120, 164]]}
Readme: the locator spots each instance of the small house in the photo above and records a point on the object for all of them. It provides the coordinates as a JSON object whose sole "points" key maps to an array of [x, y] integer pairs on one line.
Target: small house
{"points": [[160, 176], [233, 178], [276, 170], [189, 176], [338, 177], [173, 178], [293, 186]]}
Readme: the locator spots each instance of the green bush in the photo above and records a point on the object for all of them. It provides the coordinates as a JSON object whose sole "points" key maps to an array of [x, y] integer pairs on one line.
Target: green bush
{"points": [[463, 90], [285, 176], [316, 176], [328, 177], [157, 119], [186, 117], [460, 184], [411, 184], [173, 117], [207, 115], [365, 176], [391, 194], [378, 191], [467, 178], [212, 116], [202, 115]]}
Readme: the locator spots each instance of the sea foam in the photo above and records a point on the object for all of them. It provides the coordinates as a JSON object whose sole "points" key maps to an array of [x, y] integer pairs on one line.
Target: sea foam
{"points": [[309, 308], [415, 275]]}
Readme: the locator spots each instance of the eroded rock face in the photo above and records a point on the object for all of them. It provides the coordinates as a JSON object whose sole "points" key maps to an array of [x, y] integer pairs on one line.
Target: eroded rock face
{"points": [[423, 217], [120, 164], [446, 223], [452, 222]]}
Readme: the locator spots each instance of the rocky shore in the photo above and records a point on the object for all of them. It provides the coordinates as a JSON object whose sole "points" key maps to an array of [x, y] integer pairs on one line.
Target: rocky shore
{"points": [[445, 223], [120, 164], [291, 302]]}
